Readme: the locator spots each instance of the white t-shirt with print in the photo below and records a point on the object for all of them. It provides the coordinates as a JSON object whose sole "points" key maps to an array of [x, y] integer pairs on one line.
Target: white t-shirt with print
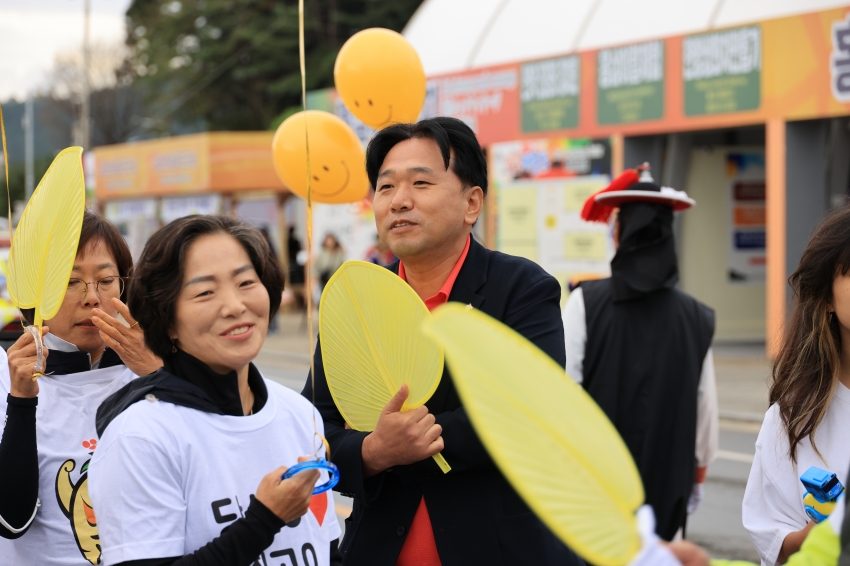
{"points": [[166, 480], [64, 531], [773, 500]]}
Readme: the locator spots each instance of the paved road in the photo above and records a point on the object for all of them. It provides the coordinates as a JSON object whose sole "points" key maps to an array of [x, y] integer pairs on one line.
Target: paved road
{"points": [[716, 525]]}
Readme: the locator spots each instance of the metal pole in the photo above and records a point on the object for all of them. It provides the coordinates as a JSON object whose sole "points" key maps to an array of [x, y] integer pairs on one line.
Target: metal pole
{"points": [[29, 146], [85, 110]]}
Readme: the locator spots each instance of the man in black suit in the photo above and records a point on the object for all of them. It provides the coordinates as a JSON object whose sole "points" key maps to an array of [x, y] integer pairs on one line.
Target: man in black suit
{"points": [[430, 181]]}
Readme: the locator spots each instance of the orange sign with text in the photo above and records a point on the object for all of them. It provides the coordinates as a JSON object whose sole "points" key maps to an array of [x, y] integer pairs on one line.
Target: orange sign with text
{"points": [[793, 68], [197, 163]]}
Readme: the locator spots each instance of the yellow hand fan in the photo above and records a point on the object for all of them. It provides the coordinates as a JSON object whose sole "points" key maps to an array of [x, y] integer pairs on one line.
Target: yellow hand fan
{"points": [[370, 322], [553, 443], [45, 242]]}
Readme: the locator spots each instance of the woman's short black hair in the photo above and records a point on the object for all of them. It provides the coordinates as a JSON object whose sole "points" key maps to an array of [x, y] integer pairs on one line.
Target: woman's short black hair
{"points": [[96, 229], [158, 277], [451, 135]]}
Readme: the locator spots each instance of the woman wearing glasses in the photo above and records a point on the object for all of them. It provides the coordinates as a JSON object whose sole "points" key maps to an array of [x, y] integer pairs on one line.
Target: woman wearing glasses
{"points": [[49, 435]]}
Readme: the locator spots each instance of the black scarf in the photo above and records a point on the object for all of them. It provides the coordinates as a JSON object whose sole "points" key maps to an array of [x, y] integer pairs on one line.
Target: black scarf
{"points": [[65, 363], [186, 381], [645, 261]]}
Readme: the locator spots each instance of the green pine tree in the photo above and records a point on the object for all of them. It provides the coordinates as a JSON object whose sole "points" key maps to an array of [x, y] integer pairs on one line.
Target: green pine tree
{"points": [[234, 65]]}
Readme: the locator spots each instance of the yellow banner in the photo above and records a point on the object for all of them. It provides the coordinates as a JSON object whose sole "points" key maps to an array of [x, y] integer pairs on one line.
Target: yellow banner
{"points": [[198, 163]]}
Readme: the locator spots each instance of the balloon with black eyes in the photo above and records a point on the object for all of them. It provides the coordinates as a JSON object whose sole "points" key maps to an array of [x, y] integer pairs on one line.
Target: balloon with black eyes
{"points": [[380, 78], [336, 158]]}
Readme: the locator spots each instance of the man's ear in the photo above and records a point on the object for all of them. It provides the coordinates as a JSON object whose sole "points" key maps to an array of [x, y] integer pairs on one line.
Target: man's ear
{"points": [[474, 197]]}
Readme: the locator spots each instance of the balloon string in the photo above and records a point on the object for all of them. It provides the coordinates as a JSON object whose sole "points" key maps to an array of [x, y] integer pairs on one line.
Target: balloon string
{"points": [[6, 166], [40, 363], [308, 277]]}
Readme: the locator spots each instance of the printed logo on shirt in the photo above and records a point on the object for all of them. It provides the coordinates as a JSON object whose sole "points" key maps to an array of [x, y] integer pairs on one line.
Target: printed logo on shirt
{"points": [[319, 506], [74, 500], [224, 511]]}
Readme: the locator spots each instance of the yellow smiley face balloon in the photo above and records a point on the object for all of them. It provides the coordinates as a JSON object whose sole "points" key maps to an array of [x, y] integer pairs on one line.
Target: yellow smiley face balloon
{"points": [[380, 78], [337, 159]]}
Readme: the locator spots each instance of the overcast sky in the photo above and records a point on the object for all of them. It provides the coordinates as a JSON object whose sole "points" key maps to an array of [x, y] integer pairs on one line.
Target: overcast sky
{"points": [[33, 31]]}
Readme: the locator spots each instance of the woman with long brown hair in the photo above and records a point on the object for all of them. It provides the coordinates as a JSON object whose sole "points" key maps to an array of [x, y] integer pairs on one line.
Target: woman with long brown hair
{"points": [[808, 421]]}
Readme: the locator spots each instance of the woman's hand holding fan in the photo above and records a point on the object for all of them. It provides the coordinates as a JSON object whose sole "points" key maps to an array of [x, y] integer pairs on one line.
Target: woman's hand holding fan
{"points": [[44, 245]]}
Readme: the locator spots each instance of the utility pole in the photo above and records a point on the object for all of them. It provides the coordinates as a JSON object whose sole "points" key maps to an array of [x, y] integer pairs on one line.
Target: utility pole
{"points": [[29, 146], [85, 107]]}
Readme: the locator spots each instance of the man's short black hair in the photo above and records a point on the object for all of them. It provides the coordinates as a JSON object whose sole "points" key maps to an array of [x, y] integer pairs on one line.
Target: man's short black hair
{"points": [[450, 134]]}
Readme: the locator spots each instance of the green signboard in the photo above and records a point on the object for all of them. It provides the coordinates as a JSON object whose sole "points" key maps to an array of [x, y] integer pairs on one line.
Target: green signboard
{"points": [[550, 91], [630, 83], [722, 71], [320, 100]]}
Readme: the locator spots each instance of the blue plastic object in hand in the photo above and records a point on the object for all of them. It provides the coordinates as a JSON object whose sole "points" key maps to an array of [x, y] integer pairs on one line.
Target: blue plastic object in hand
{"points": [[822, 491], [318, 464]]}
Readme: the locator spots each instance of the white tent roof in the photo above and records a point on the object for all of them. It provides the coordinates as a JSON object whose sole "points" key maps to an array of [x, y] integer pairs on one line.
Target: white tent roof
{"points": [[456, 35]]}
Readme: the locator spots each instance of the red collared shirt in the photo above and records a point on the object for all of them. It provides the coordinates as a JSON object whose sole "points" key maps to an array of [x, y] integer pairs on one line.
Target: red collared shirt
{"points": [[442, 295], [419, 548]]}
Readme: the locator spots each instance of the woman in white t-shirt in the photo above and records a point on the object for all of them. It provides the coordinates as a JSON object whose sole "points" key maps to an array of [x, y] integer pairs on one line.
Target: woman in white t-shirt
{"points": [[49, 432], [809, 417], [189, 465]]}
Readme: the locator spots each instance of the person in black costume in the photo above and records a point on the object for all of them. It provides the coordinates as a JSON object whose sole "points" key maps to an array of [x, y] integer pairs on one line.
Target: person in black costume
{"points": [[641, 348]]}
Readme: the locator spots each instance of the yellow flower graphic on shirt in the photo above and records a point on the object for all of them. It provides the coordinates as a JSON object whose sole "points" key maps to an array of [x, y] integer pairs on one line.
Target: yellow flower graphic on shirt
{"points": [[75, 502]]}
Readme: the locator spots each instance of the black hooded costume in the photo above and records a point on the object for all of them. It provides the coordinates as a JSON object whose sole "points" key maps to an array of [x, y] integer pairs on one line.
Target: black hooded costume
{"points": [[646, 342]]}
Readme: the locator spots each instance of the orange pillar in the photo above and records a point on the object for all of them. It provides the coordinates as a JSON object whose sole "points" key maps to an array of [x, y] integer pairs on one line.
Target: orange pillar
{"points": [[617, 155], [776, 281]]}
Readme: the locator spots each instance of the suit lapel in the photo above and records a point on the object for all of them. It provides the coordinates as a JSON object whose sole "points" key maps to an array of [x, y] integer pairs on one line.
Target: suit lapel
{"points": [[470, 280], [472, 276]]}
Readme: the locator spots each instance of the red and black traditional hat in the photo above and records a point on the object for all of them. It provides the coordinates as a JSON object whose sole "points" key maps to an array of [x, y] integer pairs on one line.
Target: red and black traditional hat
{"points": [[634, 185]]}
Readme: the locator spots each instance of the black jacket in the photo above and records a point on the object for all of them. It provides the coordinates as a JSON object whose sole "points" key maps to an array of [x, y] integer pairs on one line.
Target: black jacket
{"points": [[476, 515], [642, 365]]}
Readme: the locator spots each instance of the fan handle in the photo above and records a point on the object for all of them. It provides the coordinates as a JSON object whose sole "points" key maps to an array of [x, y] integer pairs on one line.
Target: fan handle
{"points": [[38, 370], [438, 457]]}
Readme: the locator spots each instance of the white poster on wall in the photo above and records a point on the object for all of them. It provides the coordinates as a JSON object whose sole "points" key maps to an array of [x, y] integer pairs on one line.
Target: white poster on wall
{"points": [[178, 207], [262, 213], [353, 225], [747, 217], [135, 219], [540, 221], [541, 186]]}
